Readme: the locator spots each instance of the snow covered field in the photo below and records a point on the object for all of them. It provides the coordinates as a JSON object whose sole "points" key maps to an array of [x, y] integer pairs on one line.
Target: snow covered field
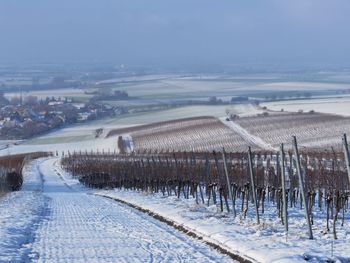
{"points": [[177, 113], [81, 137], [195, 86], [339, 106], [54, 220], [101, 144]]}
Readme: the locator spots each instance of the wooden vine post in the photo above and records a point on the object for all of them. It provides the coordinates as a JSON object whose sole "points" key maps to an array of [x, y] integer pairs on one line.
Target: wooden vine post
{"points": [[228, 182], [346, 154], [284, 199], [222, 184], [253, 184], [301, 186]]}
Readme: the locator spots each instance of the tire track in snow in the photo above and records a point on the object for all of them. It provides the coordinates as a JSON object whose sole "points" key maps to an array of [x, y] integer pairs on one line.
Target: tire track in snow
{"points": [[84, 228], [182, 228], [250, 138]]}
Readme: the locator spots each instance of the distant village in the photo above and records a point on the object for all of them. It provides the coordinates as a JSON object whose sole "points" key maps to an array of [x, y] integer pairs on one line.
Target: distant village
{"points": [[23, 118]]}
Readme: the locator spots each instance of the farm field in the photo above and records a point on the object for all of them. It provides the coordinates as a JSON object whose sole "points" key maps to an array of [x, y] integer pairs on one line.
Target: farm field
{"points": [[192, 134], [85, 132], [150, 88], [180, 112], [331, 105], [314, 130], [202, 86], [81, 137]]}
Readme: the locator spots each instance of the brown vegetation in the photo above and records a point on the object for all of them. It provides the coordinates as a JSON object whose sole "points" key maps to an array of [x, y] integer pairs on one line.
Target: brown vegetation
{"points": [[223, 179], [11, 166]]}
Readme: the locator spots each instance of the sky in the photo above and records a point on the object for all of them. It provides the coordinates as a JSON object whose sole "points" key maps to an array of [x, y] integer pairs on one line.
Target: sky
{"points": [[176, 32]]}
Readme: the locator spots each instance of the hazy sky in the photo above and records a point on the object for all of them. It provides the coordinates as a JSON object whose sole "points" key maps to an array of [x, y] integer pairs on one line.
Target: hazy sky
{"points": [[176, 32]]}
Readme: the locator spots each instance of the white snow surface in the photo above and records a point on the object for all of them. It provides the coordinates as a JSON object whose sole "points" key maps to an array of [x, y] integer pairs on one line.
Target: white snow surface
{"points": [[331, 105], [247, 136], [54, 219], [20, 213], [266, 242], [100, 144]]}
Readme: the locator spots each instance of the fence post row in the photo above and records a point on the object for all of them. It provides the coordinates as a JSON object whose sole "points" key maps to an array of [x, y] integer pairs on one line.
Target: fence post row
{"points": [[301, 185]]}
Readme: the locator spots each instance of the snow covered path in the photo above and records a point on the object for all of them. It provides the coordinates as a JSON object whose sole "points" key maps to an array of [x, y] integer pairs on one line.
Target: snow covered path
{"points": [[247, 136], [76, 226], [20, 213]]}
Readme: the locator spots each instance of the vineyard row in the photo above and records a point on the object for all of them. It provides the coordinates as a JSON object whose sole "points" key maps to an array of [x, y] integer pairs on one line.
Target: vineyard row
{"points": [[234, 182]]}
